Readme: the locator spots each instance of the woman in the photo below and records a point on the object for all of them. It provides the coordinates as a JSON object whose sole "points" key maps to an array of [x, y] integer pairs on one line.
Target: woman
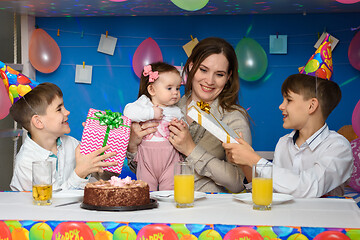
{"points": [[212, 77]]}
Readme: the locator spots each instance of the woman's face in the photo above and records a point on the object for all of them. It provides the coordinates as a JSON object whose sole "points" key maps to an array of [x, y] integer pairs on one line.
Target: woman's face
{"points": [[210, 78]]}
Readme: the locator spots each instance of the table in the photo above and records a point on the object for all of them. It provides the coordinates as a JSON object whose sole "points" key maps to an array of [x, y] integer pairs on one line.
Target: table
{"points": [[214, 210]]}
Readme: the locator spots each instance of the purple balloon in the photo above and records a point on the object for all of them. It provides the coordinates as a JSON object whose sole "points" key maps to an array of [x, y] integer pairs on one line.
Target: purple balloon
{"points": [[354, 51], [147, 52]]}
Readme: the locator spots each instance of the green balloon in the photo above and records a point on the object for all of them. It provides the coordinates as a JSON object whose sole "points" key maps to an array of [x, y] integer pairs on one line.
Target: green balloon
{"points": [[252, 59], [190, 5]]}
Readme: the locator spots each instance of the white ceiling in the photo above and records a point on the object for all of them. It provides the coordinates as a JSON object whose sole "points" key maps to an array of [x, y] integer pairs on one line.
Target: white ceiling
{"points": [[77, 8]]}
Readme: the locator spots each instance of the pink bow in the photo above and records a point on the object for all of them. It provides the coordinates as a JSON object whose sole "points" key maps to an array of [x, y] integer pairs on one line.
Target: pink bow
{"points": [[152, 75]]}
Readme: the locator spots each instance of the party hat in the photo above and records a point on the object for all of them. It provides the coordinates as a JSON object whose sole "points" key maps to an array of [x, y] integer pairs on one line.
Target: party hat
{"points": [[320, 63], [16, 84]]}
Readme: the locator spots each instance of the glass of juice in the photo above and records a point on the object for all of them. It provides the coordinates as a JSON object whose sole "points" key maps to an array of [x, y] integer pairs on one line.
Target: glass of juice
{"points": [[262, 186], [42, 182], [184, 184]]}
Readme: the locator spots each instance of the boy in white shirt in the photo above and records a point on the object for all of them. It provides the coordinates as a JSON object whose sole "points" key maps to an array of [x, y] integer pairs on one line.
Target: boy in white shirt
{"points": [[312, 160], [43, 114]]}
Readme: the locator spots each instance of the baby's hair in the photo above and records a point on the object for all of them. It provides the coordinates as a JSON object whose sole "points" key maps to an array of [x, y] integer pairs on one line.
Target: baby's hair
{"points": [[34, 102], [160, 67], [327, 92]]}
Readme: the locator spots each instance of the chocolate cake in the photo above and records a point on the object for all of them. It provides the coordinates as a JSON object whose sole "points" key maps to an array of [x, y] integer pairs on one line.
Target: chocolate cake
{"points": [[117, 193]]}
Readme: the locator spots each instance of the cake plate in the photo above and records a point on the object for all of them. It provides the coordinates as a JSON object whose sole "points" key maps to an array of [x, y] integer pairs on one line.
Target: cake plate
{"points": [[153, 204]]}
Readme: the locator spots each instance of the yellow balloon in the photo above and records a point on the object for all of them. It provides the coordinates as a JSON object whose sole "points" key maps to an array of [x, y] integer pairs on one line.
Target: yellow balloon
{"points": [[23, 89]]}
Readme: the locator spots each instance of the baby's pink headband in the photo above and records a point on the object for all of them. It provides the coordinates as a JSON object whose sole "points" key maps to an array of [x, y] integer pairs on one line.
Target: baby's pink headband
{"points": [[152, 75]]}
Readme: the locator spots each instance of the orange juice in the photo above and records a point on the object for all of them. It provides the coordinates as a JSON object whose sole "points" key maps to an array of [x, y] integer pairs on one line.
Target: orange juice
{"points": [[262, 189], [184, 189]]}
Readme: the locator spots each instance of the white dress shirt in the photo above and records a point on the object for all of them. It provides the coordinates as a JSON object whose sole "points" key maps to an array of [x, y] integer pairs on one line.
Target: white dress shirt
{"points": [[64, 163], [319, 166]]}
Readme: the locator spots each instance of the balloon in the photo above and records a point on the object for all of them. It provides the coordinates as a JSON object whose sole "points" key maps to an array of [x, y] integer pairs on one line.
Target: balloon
{"points": [[44, 53], [147, 52], [252, 59], [331, 235], [354, 51], [190, 5], [243, 233], [355, 120], [348, 1], [5, 102], [156, 231]]}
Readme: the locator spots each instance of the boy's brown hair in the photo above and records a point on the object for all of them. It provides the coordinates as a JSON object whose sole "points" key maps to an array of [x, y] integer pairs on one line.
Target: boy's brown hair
{"points": [[160, 67], [327, 92], [34, 102]]}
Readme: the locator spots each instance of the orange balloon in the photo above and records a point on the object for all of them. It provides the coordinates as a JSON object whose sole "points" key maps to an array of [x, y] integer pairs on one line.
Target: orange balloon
{"points": [[44, 53]]}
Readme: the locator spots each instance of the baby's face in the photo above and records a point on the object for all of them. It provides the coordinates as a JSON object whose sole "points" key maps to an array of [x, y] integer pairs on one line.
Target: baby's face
{"points": [[166, 89]]}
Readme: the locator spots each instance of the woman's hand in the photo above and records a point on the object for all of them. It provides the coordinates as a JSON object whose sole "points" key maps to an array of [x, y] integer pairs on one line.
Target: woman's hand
{"points": [[138, 131], [180, 137]]}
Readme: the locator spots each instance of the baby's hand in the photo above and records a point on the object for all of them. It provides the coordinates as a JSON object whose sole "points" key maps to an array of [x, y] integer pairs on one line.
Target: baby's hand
{"points": [[158, 112]]}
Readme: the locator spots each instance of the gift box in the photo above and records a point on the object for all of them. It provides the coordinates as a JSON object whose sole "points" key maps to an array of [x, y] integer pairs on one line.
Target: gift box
{"points": [[200, 112], [106, 128]]}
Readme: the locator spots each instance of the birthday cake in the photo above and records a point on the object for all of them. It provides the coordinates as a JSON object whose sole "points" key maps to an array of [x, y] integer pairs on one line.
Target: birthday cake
{"points": [[117, 192]]}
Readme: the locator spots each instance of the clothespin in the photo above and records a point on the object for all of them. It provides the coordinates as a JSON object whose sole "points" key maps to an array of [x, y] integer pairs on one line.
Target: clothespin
{"points": [[192, 39], [324, 29], [277, 35], [83, 65], [318, 35], [106, 34], [82, 34], [58, 33]]}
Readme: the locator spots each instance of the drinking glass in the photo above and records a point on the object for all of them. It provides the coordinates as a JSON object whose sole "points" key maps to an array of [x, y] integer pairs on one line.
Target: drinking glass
{"points": [[262, 186], [184, 184], [42, 182]]}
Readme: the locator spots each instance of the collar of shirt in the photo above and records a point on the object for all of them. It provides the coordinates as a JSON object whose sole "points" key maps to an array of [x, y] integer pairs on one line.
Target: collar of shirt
{"points": [[44, 154], [315, 139]]}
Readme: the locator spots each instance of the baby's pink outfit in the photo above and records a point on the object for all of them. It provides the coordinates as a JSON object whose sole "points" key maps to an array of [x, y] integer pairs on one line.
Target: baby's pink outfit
{"points": [[156, 156]]}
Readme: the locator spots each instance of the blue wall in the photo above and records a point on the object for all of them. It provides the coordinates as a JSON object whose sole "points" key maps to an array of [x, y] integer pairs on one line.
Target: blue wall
{"points": [[114, 83]]}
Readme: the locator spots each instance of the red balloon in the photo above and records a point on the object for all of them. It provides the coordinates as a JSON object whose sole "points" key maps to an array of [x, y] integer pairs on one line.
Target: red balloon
{"points": [[331, 235], [73, 230], [243, 233], [147, 52], [354, 51], [22, 79], [156, 231], [321, 73], [4, 231], [44, 53]]}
